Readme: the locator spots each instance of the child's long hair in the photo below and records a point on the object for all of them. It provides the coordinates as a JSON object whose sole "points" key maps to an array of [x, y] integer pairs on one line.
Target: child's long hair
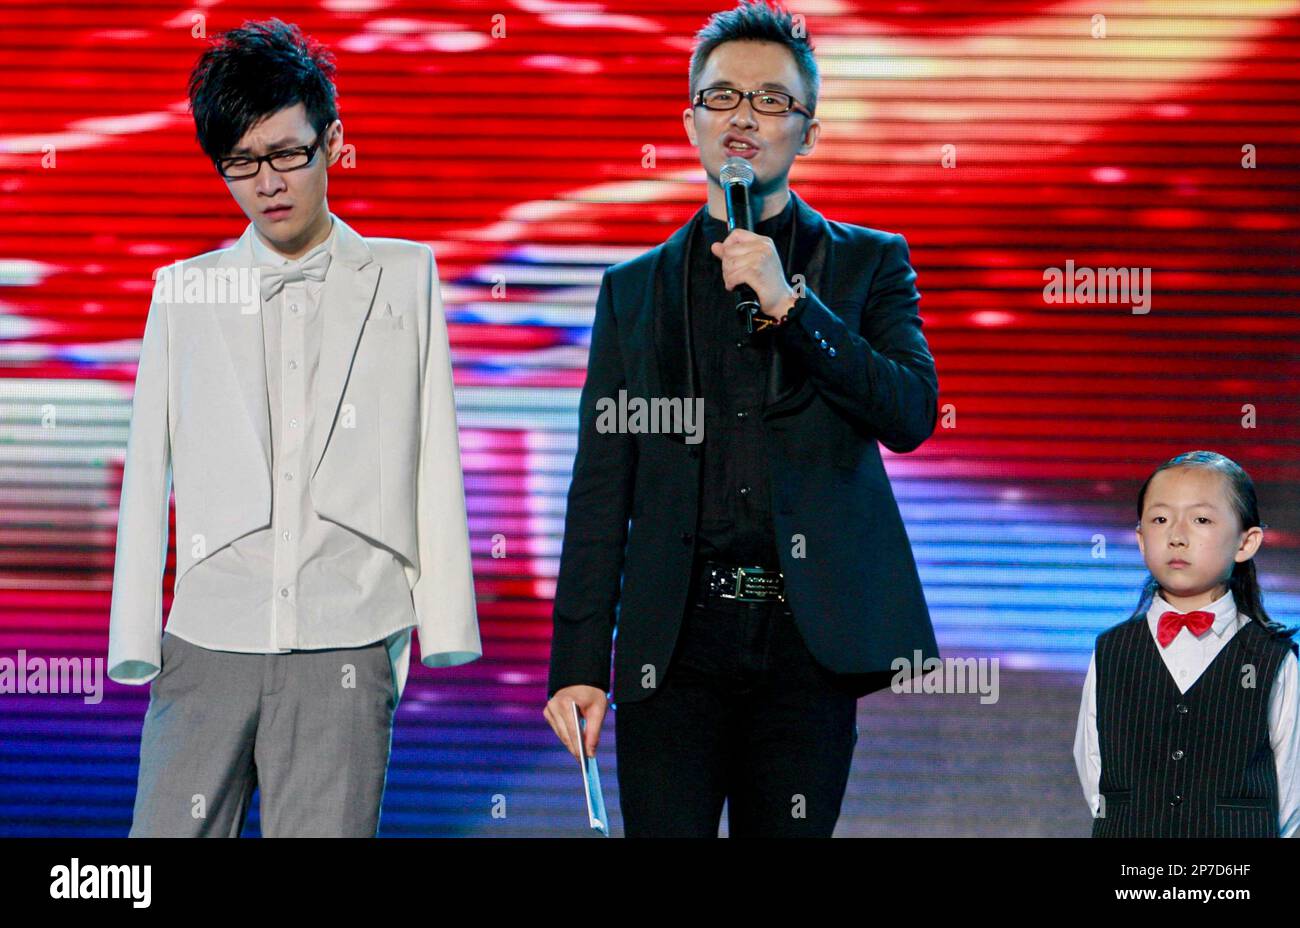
{"points": [[1243, 583]]}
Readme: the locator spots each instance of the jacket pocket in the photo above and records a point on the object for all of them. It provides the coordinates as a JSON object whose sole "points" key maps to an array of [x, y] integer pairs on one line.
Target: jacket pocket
{"points": [[384, 324], [1243, 802], [1245, 817]]}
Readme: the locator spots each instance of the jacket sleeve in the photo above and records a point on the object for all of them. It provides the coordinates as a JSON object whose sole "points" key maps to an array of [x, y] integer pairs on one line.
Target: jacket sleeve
{"points": [[140, 560], [443, 594], [882, 378], [595, 526]]}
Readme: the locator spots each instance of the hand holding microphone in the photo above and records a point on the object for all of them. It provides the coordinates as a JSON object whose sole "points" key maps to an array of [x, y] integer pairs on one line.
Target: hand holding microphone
{"points": [[750, 264]]}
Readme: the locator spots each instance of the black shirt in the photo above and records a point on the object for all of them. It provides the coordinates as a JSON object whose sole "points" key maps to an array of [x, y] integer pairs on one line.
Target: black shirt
{"points": [[735, 524]]}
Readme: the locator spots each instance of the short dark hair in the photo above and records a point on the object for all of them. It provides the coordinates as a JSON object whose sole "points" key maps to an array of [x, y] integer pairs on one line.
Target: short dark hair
{"points": [[758, 21], [251, 72]]}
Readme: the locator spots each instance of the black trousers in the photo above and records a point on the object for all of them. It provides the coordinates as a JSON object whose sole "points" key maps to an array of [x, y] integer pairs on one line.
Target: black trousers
{"points": [[744, 714]]}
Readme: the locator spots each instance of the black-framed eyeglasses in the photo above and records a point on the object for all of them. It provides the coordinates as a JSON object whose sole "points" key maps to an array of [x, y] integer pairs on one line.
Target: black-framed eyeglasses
{"points": [[286, 159], [769, 102]]}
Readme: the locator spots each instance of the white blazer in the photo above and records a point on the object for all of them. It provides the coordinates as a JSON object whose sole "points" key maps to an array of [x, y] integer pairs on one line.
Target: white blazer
{"points": [[200, 417]]}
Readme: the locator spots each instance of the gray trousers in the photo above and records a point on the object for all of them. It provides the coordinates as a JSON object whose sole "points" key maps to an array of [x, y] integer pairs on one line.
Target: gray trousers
{"points": [[313, 729]]}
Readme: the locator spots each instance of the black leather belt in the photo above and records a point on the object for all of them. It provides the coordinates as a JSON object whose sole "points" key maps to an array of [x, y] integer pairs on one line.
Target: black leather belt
{"points": [[745, 584]]}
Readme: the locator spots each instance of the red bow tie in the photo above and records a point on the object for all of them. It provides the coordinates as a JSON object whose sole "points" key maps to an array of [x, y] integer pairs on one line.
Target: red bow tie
{"points": [[1171, 623]]}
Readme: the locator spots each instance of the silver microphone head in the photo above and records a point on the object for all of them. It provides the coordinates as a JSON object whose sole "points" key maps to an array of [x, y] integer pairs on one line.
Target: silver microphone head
{"points": [[737, 170]]}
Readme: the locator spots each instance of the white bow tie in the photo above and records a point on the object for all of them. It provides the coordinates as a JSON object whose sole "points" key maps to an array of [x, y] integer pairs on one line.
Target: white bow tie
{"points": [[273, 279]]}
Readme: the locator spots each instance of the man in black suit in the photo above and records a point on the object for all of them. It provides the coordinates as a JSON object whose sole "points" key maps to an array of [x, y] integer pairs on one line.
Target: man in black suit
{"points": [[767, 580]]}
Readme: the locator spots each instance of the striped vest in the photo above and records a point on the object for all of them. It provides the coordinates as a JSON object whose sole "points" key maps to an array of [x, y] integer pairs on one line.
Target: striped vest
{"points": [[1182, 765]]}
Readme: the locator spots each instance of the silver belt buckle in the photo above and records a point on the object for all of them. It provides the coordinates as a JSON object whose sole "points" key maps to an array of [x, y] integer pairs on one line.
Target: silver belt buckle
{"points": [[741, 574], [735, 592], [722, 593]]}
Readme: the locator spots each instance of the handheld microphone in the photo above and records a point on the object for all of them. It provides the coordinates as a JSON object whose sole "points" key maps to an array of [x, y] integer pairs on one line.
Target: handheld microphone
{"points": [[736, 176]]}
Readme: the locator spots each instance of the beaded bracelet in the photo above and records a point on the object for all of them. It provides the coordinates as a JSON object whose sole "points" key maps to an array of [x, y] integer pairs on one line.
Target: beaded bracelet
{"points": [[765, 321]]}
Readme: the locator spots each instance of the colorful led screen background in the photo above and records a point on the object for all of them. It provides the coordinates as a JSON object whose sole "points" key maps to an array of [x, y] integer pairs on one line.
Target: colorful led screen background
{"points": [[1000, 143]]}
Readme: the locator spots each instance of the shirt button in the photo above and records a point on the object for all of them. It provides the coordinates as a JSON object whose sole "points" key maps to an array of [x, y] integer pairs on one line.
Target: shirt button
{"points": [[284, 592], [293, 365], [293, 423], [286, 536], [294, 307], [744, 491], [1177, 755], [288, 475], [1181, 708]]}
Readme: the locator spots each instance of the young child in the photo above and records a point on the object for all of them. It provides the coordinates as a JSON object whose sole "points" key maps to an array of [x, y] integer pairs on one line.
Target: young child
{"points": [[1187, 727]]}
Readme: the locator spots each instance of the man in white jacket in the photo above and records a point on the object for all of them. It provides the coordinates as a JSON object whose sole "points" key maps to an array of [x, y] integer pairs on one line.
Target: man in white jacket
{"points": [[297, 387]]}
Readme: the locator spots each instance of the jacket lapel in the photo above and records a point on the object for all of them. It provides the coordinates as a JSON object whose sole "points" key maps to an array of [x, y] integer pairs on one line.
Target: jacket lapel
{"points": [[345, 302], [672, 330], [241, 331], [788, 387]]}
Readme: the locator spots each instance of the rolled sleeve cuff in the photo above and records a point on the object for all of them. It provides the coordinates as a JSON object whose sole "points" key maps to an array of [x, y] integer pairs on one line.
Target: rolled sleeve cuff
{"points": [[133, 672]]}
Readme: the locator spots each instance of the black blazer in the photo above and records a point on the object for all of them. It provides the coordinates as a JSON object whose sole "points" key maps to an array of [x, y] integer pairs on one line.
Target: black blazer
{"points": [[634, 500]]}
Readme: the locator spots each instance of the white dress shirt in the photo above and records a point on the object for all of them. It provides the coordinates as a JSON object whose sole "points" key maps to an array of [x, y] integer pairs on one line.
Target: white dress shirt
{"points": [[302, 583], [1186, 659]]}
